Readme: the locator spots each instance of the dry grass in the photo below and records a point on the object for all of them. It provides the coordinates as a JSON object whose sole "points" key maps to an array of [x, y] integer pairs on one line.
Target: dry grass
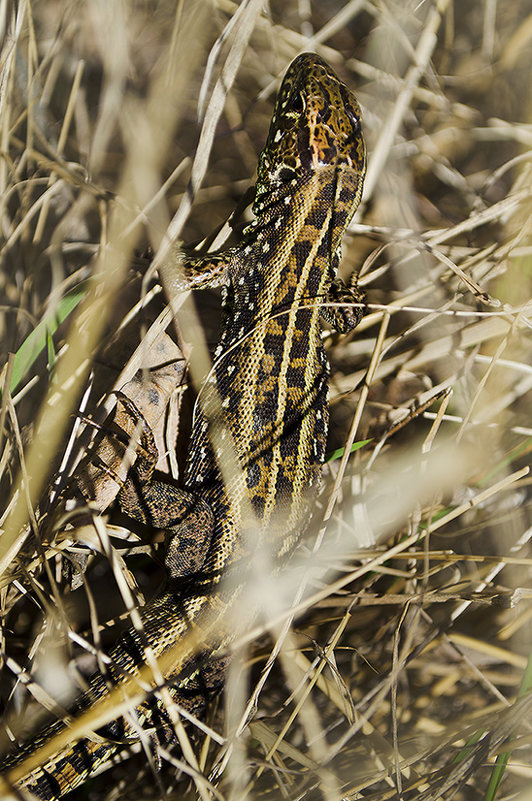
{"points": [[406, 672]]}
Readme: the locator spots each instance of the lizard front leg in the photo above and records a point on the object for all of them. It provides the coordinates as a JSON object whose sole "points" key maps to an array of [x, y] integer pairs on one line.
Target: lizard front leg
{"points": [[346, 312]]}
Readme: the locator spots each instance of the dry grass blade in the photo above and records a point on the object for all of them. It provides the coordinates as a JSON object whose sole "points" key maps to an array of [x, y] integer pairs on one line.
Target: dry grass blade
{"points": [[392, 658]]}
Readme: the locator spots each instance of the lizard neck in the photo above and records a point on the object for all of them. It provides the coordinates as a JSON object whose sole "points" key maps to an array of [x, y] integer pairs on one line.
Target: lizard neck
{"points": [[297, 232]]}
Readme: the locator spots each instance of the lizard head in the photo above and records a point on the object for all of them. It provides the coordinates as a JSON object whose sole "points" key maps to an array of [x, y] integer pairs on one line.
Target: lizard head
{"points": [[316, 123]]}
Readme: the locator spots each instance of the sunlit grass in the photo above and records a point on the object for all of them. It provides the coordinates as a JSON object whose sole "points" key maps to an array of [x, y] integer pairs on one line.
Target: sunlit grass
{"points": [[390, 658]]}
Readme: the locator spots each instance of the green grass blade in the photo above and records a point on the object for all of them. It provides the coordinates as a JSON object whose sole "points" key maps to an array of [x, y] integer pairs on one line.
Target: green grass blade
{"points": [[502, 760], [41, 337], [339, 452]]}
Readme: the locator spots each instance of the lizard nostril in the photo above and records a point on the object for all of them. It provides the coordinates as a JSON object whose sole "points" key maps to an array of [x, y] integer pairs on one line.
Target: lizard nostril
{"points": [[353, 119]]}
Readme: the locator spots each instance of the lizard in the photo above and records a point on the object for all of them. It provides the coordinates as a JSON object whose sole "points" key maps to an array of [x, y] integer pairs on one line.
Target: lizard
{"points": [[266, 396]]}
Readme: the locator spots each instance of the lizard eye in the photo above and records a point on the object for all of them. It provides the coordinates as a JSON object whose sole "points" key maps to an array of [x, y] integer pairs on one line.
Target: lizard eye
{"points": [[297, 103]]}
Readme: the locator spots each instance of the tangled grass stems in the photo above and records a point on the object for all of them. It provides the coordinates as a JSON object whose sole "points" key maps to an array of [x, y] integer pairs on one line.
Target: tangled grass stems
{"points": [[128, 126]]}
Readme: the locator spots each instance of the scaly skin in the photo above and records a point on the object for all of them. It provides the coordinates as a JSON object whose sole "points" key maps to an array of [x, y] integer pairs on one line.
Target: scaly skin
{"points": [[265, 403]]}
